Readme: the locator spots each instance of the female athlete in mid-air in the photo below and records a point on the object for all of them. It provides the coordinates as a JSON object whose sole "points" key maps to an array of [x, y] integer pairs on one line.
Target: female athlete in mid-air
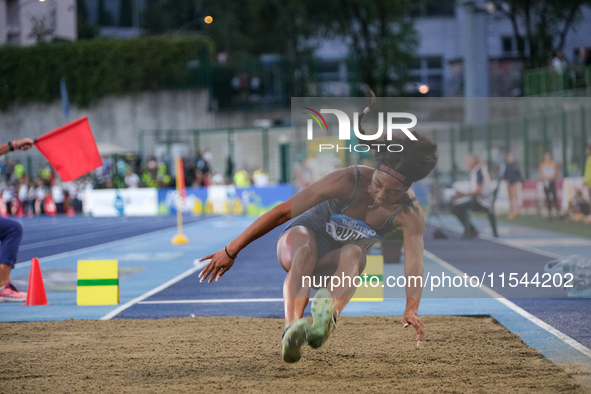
{"points": [[318, 242]]}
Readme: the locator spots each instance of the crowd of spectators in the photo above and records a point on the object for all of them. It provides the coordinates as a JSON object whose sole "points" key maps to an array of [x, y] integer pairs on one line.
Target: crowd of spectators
{"points": [[44, 194], [128, 172], [24, 194]]}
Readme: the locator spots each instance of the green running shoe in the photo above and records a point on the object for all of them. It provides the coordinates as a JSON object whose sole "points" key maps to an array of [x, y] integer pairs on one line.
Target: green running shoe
{"points": [[292, 340], [325, 318]]}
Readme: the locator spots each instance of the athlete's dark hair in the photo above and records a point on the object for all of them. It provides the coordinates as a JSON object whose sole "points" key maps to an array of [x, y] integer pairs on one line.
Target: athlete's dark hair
{"points": [[417, 158]]}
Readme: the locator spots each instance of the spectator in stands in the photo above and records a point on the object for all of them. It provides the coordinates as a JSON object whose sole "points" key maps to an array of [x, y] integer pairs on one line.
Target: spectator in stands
{"points": [[511, 173], [480, 197], [241, 178], [74, 200], [587, 173], [58, 196], [7, 195], [548, 173], [23, 194], [132, 180], [31, 199], [40, 194], [559, 62], [217, 178], [579, 207], [260, 177]]}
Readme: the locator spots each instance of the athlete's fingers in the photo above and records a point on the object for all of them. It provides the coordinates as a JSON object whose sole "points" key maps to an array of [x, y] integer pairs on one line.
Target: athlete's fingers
{"points": [[220, 273], [206, 257], [404, 322], [420, 332], [206, 271], [214, 272]]}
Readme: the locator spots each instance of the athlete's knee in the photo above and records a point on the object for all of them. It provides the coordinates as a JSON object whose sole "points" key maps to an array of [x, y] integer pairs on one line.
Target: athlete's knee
{"points": [[304, 257], [352, 252]]}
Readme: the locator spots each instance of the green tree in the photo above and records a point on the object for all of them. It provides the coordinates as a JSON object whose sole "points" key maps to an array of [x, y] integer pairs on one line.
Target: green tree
{"points": [[382, 38], [542, 25], [381, 34]]}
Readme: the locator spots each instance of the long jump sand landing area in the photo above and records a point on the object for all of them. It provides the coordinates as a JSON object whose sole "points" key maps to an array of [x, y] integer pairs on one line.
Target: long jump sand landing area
{"points": [[230, 354]]}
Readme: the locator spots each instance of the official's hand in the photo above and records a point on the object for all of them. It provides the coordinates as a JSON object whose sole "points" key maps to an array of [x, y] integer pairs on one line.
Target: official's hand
{"points": [[458, 195], [412, 319], [219, 264], [23, 144]]}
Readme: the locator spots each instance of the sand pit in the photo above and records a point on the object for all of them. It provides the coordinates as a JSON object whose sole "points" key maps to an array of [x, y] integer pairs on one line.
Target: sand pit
{"points": [[229, 354]]}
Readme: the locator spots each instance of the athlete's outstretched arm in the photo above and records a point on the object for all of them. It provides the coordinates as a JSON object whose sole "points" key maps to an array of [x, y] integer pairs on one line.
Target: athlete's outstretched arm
{"points": [[337, 184], [414, 226]]}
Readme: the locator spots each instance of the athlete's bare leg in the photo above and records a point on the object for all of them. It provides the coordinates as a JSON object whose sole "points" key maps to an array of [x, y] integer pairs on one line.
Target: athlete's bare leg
{"points": [[348, 261], [297, 253]]}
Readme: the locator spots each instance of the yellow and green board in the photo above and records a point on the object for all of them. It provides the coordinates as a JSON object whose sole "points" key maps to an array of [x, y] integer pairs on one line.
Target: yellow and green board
{"points": [[374, 267], [98, 282]]}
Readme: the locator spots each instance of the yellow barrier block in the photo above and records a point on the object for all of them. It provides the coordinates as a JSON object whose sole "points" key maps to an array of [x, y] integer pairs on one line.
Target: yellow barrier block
{"points": [[375, 272], [98, 282], [208, 207], [198, 207]]}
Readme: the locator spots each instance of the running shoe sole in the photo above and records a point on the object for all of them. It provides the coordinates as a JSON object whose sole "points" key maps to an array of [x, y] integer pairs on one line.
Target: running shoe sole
{"points": [[294, 337], [324, 319]]}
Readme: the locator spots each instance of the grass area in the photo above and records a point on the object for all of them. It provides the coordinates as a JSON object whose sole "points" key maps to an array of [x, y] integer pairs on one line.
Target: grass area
{"points": [[558, 226]]}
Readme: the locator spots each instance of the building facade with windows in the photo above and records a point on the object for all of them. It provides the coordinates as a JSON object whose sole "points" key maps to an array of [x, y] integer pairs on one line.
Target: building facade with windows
{"points": [[27, 22]]}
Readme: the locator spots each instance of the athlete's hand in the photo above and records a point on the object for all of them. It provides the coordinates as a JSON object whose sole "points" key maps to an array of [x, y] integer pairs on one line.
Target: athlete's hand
{"points": [[23, 144], [219, 264], [412, 319]]}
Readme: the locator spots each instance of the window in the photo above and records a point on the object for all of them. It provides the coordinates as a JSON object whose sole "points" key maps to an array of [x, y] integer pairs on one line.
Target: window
{"points": [[510, 46], [428, 71]]}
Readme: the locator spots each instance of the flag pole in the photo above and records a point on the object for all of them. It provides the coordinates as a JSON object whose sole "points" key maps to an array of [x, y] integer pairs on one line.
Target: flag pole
{"points": [[179, 238]]}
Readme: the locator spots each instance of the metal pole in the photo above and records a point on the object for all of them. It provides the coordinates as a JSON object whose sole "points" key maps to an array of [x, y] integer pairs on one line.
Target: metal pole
{"points": [[196, 142], [231, 146], [140, 142], [564, 143], [452, 143], [470, 131], [266, 165], [169, 145]]}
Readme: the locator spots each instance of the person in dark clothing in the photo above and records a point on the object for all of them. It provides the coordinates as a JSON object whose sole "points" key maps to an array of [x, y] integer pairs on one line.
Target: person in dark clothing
{"points": [[10, 238], [511, 173], [480, 198], [548, 173]]}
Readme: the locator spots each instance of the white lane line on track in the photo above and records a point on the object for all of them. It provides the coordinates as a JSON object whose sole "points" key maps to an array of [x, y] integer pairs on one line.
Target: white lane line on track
{"points": [[218, 301], [155, 290], [506, 243], [515, 308]]}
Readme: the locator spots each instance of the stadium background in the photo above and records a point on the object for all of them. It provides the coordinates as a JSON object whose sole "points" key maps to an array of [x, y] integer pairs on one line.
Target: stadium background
{"points": [[157, 82]]}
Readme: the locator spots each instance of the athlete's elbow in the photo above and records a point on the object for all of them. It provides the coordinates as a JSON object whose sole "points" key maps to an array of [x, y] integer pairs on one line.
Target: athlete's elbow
{"points": [[283, 212]]}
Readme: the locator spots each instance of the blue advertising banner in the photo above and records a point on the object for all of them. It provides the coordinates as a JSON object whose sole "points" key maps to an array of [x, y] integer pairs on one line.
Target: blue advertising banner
{"points": [[226, 199]]}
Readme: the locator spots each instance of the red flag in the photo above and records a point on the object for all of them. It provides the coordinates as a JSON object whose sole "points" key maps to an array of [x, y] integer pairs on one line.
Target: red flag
{"points": [[71, 149]]}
